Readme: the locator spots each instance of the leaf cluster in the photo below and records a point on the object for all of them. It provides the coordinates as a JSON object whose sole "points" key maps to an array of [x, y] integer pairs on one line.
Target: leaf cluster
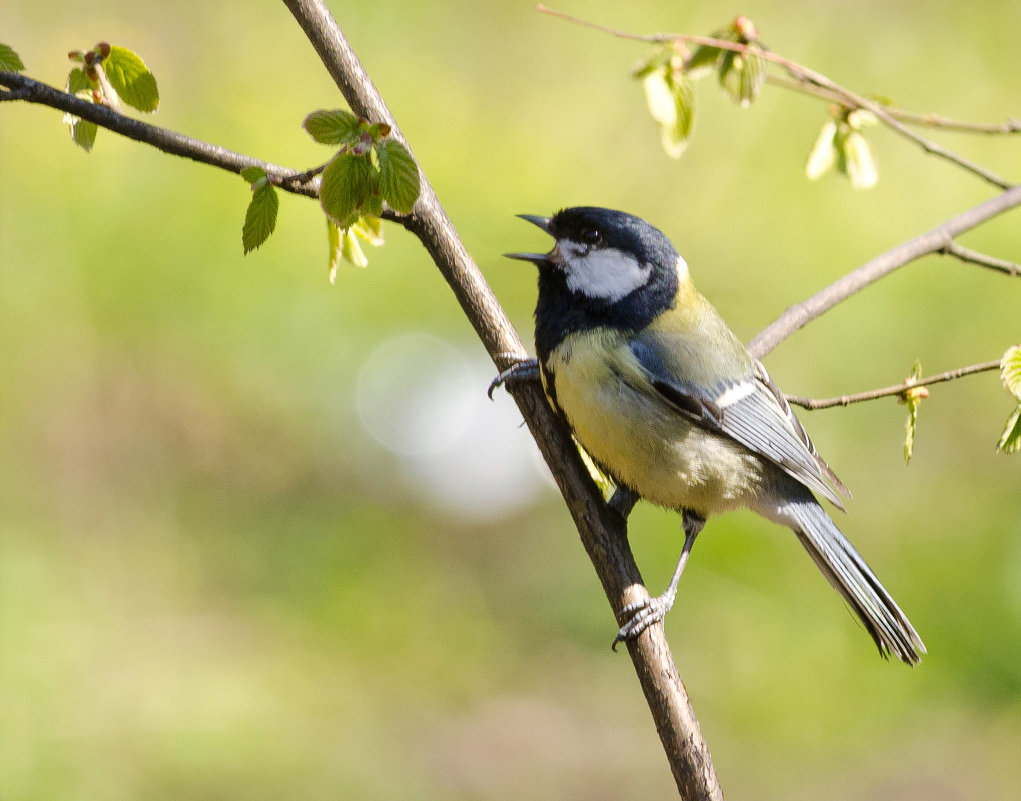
{"points": [[109, 75], [669, 75], [370, 168], [369, 171]]}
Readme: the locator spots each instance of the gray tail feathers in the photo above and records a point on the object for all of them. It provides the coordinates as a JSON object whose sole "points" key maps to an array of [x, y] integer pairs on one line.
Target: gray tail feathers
{"points": [[853, 579]]}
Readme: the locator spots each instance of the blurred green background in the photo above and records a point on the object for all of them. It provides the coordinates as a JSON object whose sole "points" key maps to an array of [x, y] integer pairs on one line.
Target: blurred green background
{"points": [[262, 537]]}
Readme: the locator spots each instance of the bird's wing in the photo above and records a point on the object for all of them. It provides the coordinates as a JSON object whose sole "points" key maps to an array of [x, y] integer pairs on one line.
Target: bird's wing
{"points": [[748, 408]]}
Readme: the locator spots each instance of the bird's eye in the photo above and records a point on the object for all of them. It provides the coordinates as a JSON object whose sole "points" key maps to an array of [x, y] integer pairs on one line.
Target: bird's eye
{"points": [[592, 237]]}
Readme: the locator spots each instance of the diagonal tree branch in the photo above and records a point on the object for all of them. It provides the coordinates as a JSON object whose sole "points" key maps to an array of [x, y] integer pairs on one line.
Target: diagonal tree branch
{"points": [[934, 241], [602, 531], [33, 91]]}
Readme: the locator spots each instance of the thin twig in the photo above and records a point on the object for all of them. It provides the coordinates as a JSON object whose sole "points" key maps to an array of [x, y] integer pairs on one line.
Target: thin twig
{"points": [[161, 138], [981, 259], [602, 531], [1011, 126], [893, 389], [882, 265], [802, 74]]}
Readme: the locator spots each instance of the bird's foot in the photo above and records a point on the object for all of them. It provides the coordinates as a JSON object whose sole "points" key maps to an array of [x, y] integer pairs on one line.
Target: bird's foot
{"points": [[524, 370], [642, 614]]}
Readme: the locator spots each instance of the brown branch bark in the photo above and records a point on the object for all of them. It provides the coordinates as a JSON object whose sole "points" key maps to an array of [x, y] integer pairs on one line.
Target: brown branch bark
{"points": [[934, 241], [602, 531], [176, 144], [893, 389]]}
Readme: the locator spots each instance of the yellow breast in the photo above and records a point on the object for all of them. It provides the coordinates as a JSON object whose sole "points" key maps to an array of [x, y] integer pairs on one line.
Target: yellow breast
{"points": [[632, 432]]}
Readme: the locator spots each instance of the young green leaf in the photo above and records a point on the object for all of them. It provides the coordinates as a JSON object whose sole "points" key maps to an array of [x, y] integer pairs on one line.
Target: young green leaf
{"points": [[9, 60], [703, 59], [858, 164], [753, 76], [398, 176], [1010, 439], [671, 100], [346, 185], [131, 79], [83, 133], [660, 57], [1010, 371], [912, 398], [373, 205], [351, 249], [77, 82], [824, 154], [261, 217], [370, 229], [334, 237], [253, 174], [332, 126]]}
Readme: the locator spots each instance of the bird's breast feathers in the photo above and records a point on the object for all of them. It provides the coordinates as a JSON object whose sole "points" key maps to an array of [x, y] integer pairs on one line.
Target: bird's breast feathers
{"points": [[636, 436]]}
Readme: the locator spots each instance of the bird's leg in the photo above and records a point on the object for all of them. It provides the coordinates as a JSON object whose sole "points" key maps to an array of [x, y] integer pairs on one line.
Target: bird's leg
{"points": [[524, 370], [642, 614], [623, 501]]}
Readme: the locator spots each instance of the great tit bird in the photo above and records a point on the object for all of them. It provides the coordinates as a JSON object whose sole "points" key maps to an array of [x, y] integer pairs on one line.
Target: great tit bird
{"points": [[670, 405]]}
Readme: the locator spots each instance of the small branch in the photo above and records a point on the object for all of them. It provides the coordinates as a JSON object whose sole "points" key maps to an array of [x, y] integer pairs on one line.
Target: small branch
{"points": [[1011, 126], [33, 91], [882, 265], [981, 259], [894, 389], [804, 75], [17, 94], [602, 531]]}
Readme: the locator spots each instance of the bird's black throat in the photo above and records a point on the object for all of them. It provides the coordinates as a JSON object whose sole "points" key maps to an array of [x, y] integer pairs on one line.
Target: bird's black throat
{"points": [[560, 312]]}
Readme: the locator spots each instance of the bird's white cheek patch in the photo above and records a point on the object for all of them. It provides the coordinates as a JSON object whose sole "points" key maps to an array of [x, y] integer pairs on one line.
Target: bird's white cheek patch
{"points": [[608, 274]]}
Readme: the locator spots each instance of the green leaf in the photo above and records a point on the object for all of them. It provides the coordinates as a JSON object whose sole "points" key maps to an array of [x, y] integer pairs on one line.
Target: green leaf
{"points": [[261, 217], [9, 60], [671, 100], [398, 176], [334, 237], [346, 185], [131, 79], [753, 76], [660, 58], [1010, 370], [332, 126], [77, 81], [370, 229], [83, 132], [824, 154], [1010, 439], [253, 174], [742, 75], [351, 250], [373, 205], [912, 398], [704, 58], [858, 164]]}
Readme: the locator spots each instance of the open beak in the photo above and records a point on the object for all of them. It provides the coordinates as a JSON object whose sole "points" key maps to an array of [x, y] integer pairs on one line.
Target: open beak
{"points": [[535, 258]]}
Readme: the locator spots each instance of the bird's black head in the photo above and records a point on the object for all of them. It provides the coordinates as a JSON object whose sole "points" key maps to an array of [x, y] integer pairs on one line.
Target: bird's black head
{"points": [[606, 268], [602, 254]]}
